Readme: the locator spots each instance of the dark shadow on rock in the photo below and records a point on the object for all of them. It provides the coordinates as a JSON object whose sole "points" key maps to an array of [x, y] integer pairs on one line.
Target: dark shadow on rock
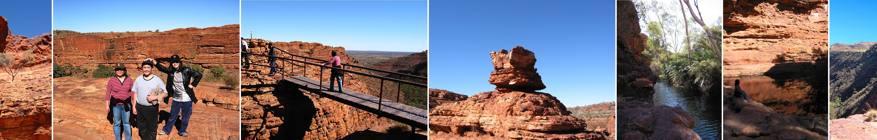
{"points": [[393, 133], [297, 114]]}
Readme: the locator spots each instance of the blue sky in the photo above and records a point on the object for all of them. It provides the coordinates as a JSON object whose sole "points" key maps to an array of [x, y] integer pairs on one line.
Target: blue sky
{"points": [[573, 41], [143, 15], [383, 25], [28, 17], [852, 21]]}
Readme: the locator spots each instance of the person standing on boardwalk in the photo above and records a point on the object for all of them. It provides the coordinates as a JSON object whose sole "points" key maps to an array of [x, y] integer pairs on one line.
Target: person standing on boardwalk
{"points": [[335, 63], [182, 82], [272, 58], [119, 102], [148, 90]]}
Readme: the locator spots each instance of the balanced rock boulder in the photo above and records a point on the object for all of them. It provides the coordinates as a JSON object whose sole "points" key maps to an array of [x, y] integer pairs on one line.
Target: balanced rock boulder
{"points": [[515, 70], [513, 111]]}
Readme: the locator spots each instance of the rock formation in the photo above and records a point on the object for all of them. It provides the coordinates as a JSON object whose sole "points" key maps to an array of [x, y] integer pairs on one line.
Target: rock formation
{"points": [[635, 78], [851, 83], [515, 70], [787, 31], [595, 115], [638, 118], [439, 96], [414, 64], [748, 119], [26, 101], [4, 31], [209, 47], [514, 110]]}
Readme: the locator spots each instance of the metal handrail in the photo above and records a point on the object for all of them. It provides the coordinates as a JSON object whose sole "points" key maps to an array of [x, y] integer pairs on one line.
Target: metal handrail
{"points": [[351, 65], [304, 62]]}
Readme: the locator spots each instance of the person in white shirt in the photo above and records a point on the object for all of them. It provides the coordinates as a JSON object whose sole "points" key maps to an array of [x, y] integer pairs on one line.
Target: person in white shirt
{"points": [[148, 90]]}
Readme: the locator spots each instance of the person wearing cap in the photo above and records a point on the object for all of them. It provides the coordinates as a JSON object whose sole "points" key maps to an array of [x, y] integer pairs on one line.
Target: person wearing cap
{"points": [[118, 99], [335, 63], [182, 81], [272, 58], [148, 91]]}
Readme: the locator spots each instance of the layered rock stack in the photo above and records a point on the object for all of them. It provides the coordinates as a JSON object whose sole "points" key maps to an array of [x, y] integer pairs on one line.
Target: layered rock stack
{"points": [[514, 110]]}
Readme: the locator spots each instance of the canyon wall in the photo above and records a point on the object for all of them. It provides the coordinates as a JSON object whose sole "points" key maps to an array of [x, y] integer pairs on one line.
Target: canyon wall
{"points": [[209, 47]]}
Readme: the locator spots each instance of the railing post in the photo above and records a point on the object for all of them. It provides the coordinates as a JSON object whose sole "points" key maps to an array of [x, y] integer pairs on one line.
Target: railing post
{"points": [[321, 79], [398, 91], [380, 95]]}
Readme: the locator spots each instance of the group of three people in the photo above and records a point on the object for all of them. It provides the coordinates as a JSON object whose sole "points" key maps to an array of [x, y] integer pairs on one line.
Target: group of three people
{"points": [[142, 96]]}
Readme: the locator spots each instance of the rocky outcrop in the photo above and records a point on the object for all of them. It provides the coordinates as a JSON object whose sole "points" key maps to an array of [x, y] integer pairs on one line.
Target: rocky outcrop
{"points": [[209, 47], [26, 101], [748, 119], [595, 115], [514, 110], [852, 84], [4, 31], [858, 47], [635, 79], [414, 64], [439, 96], [645, 121], [786, 31], [515, 70]]}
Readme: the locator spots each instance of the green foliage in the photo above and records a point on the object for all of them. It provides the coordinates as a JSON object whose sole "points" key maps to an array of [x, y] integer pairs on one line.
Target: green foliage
{"points": [[103, 71], [217, 73], [66, 70], [231, 81], [698, 65], [835, 105], [197, 68], [415, 96]]}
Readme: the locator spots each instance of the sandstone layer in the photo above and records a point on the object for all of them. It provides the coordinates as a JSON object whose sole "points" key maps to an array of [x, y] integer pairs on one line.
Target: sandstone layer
{"points": [[209, 47], [776, 31], [26, 100], [513, 111], [439, 96]]}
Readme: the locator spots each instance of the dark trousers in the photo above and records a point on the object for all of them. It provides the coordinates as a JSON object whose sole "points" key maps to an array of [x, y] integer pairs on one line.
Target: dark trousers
{"points": [[245, 56], [176, 108], [147, 121], [335, 76], [273, 65]]}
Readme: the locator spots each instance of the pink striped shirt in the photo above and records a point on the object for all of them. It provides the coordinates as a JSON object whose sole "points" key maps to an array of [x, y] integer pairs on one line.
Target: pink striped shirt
{"points": [[119, 90], [335, 61]]}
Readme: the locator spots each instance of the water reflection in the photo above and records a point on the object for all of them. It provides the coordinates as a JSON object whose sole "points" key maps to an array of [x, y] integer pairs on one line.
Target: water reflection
{"points": [[707, 119]]}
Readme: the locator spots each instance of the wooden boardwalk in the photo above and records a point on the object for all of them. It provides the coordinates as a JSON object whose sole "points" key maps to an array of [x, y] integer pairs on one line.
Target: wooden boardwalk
{"points": [[413, 116]]}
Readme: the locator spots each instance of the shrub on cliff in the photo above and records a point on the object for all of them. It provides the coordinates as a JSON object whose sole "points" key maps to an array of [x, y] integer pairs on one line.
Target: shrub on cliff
{"points": [[231, 82], [8, 64], [216, 74], [103, 71], [66, 70]]}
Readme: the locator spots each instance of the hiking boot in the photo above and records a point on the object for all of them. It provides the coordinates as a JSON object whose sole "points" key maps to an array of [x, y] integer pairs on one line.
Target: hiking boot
{"points": [[161, 133], [184, 134]]}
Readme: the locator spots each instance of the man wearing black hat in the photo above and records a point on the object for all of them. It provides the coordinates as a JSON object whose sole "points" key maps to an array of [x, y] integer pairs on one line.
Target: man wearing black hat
{"points": [[181, 83]]}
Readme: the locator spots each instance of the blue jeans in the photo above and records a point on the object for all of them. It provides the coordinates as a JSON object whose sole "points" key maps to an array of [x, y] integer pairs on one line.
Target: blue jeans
{"points": [[273, 64], [176, 107], [120, 122], [335, 76]]}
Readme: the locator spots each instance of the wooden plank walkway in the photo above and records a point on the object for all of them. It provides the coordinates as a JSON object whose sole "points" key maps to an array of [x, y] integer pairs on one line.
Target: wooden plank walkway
{"points": [[413, 116]]}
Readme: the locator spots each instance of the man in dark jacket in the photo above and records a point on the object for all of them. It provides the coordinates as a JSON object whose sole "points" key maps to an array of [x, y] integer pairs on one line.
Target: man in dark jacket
{"points": [[181, 82], [272, 58]]}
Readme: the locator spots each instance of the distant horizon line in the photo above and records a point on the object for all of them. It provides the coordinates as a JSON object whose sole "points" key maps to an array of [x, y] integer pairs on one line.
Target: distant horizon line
{"points": [[161, 30]]}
